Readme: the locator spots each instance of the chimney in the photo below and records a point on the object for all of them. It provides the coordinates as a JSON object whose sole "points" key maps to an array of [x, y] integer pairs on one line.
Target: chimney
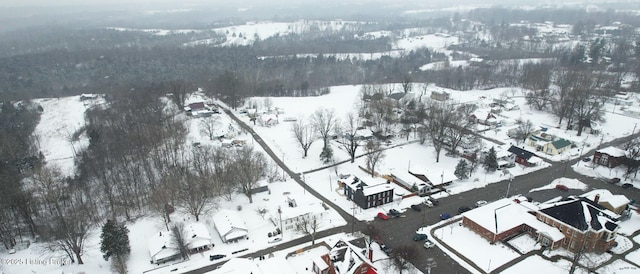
{"points": [[596, 199]]}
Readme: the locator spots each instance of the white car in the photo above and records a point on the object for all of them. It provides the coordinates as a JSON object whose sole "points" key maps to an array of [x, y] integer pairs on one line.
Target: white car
{"points": [[428, 244], [480, 203], [427, 202], [275, 240]]}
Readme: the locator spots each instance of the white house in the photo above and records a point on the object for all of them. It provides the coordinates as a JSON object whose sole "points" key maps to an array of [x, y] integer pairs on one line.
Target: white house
{"points": [[198, 237], [290, 216], [229, 225], [162, 248]]}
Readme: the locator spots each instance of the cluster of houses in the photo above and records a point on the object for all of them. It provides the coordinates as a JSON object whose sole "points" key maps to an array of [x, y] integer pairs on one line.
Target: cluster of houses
{"points": [[345, 257], [201, 109], [230, 228], [584, 223]]}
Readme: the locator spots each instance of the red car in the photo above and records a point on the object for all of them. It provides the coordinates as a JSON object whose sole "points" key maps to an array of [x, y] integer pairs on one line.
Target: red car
{"points": [[562, 187], [383, 216]]}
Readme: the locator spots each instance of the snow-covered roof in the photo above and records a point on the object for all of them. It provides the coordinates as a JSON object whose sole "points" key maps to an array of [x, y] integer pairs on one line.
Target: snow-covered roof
{"points": [[293, 212], [612, 151], [376, 189], [238, 265], [606, 196], [161, 246], [435, 177], [351, 255], [226, 221], [198, 235], [505, 214], [582, 214]]}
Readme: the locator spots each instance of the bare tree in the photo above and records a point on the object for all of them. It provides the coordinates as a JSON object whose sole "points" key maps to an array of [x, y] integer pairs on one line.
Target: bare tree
{"points": [[407, 84], [459, 126], [304, 134], [253, 165], [66, 216], [537, 77], [179, 91], [524, 129], [437, 123], [402, 257], [210, 126], [374, 156], [179, 239], [308, 225], [160, 203], [324, 121], [350, 141], [194, 192], [382, 114]]}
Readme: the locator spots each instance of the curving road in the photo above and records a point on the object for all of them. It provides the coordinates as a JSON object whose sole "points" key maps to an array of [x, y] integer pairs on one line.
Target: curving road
{"points": [[399, 231]]}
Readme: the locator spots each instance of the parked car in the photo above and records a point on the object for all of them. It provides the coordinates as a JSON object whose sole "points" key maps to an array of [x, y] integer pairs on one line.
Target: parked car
{"points": [[387, 250], [382, 216], [627, 185], [428, 244], [445, 216], [416, 207], [614, 180], [562, 187], [427, 202], [394, 213], [419, 237], [481, 203], [216, 257], [586, 159], [463, 209], [434, 201], [275, 240]]}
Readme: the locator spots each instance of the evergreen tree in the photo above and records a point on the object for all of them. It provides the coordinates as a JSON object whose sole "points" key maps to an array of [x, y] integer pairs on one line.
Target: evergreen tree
{"points": [[462, 170], [326, 155], [491, 161], [114, 240]]}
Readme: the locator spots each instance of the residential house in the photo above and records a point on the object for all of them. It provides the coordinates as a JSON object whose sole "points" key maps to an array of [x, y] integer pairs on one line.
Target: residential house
{"points": [[365, 195], [610, 157], [509, 217], [245, 266], [440, 95], [411, 183], [557, 147], [267, 119], [616, 203], [524, 157], [344, 258], [539, 141], [586, 225], [289, 217], [438, 179], [229, 225], [161, 248], [198, 237], [484, 118]]}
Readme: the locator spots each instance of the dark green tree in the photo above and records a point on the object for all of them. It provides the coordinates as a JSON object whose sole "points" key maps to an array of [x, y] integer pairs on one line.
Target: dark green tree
{"points": [[462, 170], [326, 155], [491, 161], [114, 240]]}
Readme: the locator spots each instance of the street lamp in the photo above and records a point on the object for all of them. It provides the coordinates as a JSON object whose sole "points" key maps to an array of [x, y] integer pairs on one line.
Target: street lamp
{"points": [[509, 185]]}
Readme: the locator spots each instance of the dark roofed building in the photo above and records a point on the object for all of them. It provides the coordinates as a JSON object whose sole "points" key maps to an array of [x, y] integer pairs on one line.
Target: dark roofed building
{"points": [[586, 225], [523, 156]]}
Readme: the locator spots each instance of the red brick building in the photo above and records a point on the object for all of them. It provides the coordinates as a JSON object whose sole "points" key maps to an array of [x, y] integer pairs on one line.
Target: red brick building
{"points": [[586, 225]]}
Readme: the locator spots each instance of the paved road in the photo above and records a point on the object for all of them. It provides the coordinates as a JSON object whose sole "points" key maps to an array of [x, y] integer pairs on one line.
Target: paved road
{"points": [[399, 231]]}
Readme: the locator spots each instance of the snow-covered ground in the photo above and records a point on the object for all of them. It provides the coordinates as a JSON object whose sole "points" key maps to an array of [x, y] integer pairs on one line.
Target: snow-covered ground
{"points": [[477, 249], [58, 125], [541, 265]]}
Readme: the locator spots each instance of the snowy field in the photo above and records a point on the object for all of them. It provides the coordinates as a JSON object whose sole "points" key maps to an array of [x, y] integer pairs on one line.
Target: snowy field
{"points": [[475, 248], [540, 265]]}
